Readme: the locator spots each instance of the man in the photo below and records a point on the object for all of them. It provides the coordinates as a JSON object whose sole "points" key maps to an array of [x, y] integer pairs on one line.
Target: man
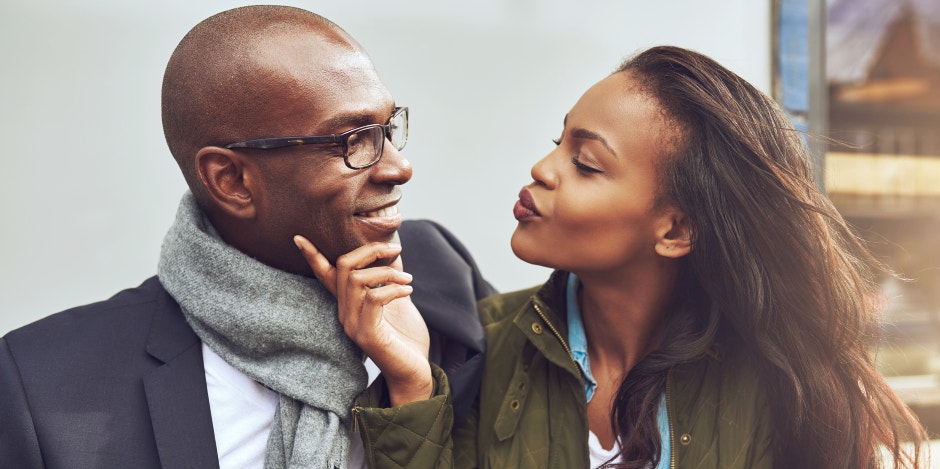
{"points": [[233, 355]]}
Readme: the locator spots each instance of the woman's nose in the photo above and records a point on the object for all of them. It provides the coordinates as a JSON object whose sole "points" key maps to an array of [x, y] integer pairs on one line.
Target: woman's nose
{"points": [[544, 172]]}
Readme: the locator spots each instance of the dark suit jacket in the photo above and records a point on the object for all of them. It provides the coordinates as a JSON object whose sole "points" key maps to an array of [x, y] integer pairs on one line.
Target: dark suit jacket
{"points": [[121, 384]]}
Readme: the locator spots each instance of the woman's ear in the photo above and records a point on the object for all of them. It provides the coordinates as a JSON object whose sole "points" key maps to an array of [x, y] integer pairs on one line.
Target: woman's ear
{"points": [[674, 235], [227, 181]]}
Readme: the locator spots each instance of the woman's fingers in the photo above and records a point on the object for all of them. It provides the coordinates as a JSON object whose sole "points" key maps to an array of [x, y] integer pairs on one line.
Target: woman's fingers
{"points": [[322, 269], [366, 255], [363, 325], [367, 291], [352, 279], [377, 276], [377, 314], [347, 264]]}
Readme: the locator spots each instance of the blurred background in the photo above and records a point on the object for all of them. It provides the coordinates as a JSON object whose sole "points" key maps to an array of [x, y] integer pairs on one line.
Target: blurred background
{"points": [[91, 189], [882, 170]]}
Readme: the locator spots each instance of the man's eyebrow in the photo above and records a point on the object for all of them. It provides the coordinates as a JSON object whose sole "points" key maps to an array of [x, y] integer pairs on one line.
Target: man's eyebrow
{"points": [[584, 133], [349, 121]]}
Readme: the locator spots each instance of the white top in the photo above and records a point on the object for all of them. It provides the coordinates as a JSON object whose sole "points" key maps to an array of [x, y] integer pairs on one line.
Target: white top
{"points": [[598, 454], [243, 411]]}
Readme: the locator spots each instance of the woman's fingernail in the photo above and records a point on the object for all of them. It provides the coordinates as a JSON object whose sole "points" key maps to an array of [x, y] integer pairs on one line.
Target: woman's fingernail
{"points": [[297, 243]]}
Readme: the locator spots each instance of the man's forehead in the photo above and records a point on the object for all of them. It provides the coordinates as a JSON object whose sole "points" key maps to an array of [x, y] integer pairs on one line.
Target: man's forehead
{"points": [[347, 95], [335, 83], [304, 48], [309, 59]]}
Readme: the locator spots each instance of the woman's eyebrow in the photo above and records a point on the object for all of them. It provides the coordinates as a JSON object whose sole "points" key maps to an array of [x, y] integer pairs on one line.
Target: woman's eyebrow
{"points": [[584, 133]]}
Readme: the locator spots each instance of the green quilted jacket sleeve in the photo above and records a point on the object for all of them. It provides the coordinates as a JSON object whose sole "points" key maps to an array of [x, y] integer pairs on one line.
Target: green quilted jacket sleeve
{"points": [[413, 436]]}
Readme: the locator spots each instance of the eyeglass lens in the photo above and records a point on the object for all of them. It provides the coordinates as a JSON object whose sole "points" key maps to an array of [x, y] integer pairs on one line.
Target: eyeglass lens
{"points": [[364, 147], [398, 129]]}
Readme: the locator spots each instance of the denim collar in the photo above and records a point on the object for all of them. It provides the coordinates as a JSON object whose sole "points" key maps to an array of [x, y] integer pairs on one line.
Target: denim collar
{"points": [[577, 339]]}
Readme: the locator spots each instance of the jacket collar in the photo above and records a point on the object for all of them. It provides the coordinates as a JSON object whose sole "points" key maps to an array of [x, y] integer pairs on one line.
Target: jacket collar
{"points": [[553, 297], [176, 391], [543, 320], [170, 335]]}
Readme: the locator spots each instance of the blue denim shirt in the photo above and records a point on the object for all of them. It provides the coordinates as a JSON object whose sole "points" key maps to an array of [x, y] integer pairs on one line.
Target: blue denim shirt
{"points": [[577, 340]]}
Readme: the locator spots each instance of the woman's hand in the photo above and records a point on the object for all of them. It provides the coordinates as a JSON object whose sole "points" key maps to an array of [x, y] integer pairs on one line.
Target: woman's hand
{"points": [[376, 312]]}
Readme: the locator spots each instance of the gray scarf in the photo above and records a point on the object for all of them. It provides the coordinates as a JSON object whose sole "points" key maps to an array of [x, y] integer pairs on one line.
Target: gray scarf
{"points": [[278, 328]]}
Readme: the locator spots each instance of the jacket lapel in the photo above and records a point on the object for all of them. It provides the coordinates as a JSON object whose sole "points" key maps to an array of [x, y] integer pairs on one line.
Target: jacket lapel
{"points": [[176, 392]]}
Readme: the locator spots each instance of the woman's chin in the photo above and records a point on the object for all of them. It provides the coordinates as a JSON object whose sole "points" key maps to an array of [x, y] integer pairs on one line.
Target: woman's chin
{"points": [[528, 250]]}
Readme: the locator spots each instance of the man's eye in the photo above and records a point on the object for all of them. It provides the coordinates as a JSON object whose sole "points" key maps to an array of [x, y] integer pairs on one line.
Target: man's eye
{"points": [[353, 143]]}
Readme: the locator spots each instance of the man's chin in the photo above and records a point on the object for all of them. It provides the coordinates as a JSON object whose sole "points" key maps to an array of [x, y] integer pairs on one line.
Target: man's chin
{"points": [[393, 239]]}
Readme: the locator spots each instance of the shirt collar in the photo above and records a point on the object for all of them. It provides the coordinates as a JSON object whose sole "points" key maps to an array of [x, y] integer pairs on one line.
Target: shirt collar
{"points": [[577, 339]]}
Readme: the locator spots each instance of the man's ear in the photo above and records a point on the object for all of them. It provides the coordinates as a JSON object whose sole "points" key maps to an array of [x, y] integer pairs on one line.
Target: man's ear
{"points": [[673, 235], [227, 181]]}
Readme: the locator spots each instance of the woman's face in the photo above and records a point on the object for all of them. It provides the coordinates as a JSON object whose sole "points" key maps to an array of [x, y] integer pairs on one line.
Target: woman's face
{"points": [[590, 206]]}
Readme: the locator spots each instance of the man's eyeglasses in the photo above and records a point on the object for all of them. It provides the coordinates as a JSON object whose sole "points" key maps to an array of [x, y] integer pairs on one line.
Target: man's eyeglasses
{"points": [[362, 146]]}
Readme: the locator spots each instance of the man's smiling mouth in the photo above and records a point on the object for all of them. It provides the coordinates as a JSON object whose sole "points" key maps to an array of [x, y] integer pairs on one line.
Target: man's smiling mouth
{"points": [[382, 212]]}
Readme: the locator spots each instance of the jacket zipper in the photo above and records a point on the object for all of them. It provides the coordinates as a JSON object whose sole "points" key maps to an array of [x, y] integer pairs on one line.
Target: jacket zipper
{"points": [[564, 343], [561, 339], [355, 417], [672, 426]]}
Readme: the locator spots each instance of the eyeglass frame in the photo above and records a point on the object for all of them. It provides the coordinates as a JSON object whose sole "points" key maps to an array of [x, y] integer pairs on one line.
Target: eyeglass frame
{"points": [[335, 139]]}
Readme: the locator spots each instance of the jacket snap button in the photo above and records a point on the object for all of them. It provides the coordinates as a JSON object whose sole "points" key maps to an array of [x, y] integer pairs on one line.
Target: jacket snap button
{"points": [[514, 404], [537, 328], [685, 439]]}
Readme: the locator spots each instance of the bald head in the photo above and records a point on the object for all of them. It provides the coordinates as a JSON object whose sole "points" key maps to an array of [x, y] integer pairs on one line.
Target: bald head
{"points": [[230, 72]]}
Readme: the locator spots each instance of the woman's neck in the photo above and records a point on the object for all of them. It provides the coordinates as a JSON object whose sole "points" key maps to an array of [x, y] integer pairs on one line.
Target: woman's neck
{"points": [[624, 315]]}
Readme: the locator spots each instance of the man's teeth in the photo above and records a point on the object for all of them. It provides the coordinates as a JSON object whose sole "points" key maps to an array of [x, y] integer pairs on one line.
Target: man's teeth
{"points": [[385, 212]]}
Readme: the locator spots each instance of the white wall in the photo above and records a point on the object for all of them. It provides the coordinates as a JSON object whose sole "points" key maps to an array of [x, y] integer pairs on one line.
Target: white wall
{"points": [[89, 188]]}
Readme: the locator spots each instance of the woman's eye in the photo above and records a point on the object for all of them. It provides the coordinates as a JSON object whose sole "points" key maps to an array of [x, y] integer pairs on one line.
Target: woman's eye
{"points": [[556, 141], [583, 168]]}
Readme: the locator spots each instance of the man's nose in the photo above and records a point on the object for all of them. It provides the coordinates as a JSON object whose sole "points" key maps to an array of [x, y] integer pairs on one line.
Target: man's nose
{"points": [[393, 168]]}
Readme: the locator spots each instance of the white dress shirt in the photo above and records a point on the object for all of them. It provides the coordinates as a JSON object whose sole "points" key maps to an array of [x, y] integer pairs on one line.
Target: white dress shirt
{"points": [[243, 411]]}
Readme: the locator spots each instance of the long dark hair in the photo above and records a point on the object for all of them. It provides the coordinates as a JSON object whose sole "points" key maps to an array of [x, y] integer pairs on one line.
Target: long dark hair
{"points": [[772, 263]]}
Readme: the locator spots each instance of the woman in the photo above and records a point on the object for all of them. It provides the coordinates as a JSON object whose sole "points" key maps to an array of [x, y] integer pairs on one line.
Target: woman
{"points": [[710, 308]]}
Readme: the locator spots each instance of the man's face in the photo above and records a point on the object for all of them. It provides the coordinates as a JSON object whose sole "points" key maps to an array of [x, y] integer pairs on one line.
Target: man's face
{"points": [[323, 89]]}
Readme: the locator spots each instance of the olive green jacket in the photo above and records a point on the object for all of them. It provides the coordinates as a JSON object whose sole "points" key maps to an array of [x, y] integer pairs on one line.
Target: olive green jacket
{"points": [[531, 411]]}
